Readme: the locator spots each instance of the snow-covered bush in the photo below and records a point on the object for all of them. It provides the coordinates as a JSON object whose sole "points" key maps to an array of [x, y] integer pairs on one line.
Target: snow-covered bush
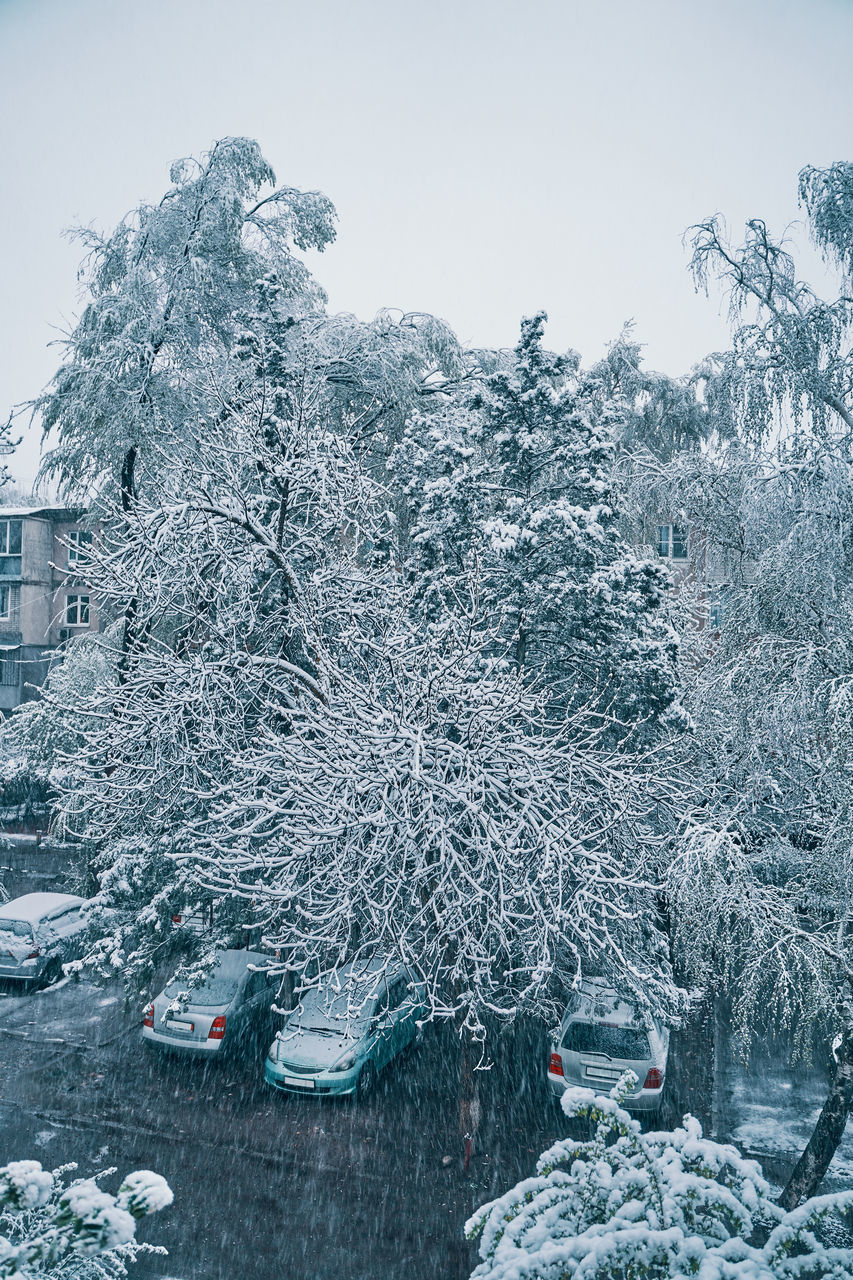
{"points": [[625, 1204], [51, 1228]]}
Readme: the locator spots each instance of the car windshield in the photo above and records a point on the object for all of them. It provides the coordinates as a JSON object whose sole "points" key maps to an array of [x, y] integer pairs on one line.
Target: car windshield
{"points": [[333, 1012], [598, 1037], [17, 928]]}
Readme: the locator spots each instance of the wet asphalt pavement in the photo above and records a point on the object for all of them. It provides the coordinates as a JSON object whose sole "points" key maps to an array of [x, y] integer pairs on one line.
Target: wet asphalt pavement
{"points": [[270, 1186], [266, 1185]]}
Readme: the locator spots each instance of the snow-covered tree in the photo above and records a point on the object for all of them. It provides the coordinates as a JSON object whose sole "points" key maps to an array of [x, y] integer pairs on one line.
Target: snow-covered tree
{"points": [[53, 1228], [516, 479], [293, 726], [164, 291], [255, 559], [763, 879], [661, 1206], [303, 736]]}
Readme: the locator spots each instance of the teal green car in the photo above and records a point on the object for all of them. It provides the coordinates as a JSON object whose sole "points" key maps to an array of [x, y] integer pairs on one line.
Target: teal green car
{"points": [[339, 1038]]}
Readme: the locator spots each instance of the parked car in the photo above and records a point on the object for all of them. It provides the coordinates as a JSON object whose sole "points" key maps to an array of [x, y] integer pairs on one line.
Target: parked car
{"points": [[38, 933], [340, 1036], [601, 1036], [219, 1014]]}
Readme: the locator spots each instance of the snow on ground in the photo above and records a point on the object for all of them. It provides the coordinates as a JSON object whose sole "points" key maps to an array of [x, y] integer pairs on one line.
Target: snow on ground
{"points": [[769, 1109]]}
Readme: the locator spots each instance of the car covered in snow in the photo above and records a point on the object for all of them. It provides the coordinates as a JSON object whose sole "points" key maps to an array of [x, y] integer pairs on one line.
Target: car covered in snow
{"points": [[219, 1014], [341, 1035], [39, 932], [603, 1035]]}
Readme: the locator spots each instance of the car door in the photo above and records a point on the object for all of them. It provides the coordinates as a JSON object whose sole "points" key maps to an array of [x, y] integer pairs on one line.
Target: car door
{"points": [[47, 940], [401, 1012], [383, 1031], [256, 999], [67, 926], [238, 1019]]}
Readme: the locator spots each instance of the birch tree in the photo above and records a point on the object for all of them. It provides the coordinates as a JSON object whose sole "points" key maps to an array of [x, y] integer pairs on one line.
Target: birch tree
{"points": [[162, 291], [763, 880]]}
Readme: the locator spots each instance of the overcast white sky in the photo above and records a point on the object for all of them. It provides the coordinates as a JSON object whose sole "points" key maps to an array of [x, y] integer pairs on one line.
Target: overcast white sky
{"points": [[486, 157]]}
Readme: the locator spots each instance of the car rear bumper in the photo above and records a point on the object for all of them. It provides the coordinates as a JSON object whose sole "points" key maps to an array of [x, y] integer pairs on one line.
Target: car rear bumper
{"points": [[323, 1083], [196, 1048], [644, 1100], [27, 971]]}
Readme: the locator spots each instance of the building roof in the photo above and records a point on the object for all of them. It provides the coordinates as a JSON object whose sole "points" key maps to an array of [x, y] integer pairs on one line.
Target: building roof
{"points": [[42, 510]]}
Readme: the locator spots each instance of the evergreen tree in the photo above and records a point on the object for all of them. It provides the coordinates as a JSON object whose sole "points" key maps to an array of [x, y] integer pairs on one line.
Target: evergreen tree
{"points": [[513, 487]]}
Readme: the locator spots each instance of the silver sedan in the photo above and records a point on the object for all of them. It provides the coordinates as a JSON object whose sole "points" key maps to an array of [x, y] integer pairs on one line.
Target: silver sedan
{"points": [[218, 1015]]}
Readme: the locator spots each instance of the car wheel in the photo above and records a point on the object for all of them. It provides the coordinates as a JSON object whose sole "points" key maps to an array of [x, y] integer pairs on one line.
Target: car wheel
{"points": [[366, 1081], [52, 973]]}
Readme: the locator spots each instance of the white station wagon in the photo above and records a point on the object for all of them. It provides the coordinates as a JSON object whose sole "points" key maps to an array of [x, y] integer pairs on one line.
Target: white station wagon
{"points": [[601, 1036], [38, 932]]}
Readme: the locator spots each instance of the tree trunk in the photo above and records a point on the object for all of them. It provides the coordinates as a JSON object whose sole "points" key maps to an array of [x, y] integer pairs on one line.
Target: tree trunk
{"points": [[128, 482], [469, 1096], [829, 1130], [128, 639]]}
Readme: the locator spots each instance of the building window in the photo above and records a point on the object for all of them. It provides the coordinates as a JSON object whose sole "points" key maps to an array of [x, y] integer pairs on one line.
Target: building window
{"points": [[8, 669], [10, 537], [10, 548], [9, 600], [79, 541], [672, 541], [77, 611], [716, 610]]}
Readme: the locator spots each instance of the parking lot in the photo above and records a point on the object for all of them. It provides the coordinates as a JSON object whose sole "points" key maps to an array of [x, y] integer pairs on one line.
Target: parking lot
{"points": [[268, 1184]]}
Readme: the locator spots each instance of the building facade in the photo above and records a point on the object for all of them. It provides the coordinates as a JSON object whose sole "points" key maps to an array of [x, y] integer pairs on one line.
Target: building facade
{"points": [[43, 597], [698, 566]]}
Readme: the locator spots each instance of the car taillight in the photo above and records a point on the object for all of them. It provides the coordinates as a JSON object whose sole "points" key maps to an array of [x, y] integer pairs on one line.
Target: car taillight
{"points": [[654, 1079], [217, 1028], [148, 1020], [34, 955], [555, 1065]]}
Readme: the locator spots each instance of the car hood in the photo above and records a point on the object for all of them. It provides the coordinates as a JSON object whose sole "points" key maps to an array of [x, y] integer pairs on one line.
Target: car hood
{"points": [[318, 1049]]}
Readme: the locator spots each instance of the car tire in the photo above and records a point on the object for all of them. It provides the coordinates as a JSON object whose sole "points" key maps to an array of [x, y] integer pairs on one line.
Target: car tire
{"points": [[366, 1081], [52, 973]]}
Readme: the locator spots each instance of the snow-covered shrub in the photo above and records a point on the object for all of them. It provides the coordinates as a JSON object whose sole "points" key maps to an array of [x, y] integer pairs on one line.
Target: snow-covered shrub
{"points": [[624, 1205], [51, 1229]]}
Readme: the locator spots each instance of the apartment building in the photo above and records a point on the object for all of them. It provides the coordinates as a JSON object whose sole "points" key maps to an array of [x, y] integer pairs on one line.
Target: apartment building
{"points": [[43, 597]]}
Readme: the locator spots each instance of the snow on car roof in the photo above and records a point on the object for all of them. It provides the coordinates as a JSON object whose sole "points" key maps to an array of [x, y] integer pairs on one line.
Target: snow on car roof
{"points": [[33, 906], [235, 962], [366, 973], [354, 981]]}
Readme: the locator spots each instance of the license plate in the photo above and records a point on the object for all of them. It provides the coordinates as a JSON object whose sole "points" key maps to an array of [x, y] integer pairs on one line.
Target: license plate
{"points": [[181, 1026], [300, 1082], [595, 1073]]}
